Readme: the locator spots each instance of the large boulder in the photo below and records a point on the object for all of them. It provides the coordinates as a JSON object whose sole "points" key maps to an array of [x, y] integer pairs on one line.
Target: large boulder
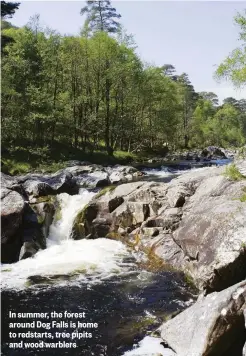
{"points": [[212, 233], [12, 209], [123, 174], [213, 152], [195, 223], [11, 183], [36, 185], [214, 325], [32, 235]]}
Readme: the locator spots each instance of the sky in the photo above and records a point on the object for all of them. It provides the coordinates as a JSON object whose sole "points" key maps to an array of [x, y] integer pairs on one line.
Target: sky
{"points": [[194, 36]]}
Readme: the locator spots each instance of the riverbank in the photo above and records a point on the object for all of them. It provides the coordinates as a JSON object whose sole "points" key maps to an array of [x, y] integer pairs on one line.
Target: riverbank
{"points": [[21, 160]]}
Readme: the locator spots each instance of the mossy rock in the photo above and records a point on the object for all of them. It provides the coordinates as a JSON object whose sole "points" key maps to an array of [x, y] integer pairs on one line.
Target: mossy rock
{"points": [[82, 223], [104, 191]]}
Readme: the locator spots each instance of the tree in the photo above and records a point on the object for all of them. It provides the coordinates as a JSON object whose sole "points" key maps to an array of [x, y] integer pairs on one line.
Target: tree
{"points": [[188, 98], [231, 101], [212, 97], [169, 70], [234, 66], [8, 8], [101, 16]]}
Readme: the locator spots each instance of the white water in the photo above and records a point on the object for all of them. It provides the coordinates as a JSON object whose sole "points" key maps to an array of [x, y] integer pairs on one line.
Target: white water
{"points": [[87, 261], [70, 205], [166, 172], [149, 346], [163, 172]]}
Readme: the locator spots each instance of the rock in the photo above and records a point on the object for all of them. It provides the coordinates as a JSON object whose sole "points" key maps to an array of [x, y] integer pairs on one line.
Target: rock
{"points": [[213, 152], [241, 166], [244, 348], [11, 183], [28, 249], [214, 325], [176, 195], [49, 213], [163, 246], [212, 233], [12, 210], [82, 225], [100, 227], [45, 213], [41, 185], [130, 214], [122, 174], [197, 222], [36, 188], [93, 180], [33, 237]]}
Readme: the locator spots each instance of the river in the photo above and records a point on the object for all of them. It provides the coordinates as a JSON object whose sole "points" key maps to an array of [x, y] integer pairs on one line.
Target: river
{"points": [[100, 277]]}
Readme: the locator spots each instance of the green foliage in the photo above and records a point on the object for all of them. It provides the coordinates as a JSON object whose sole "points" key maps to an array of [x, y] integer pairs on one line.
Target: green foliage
{"points": [[234, 66], [91, 98], [13, 167], [233, 173]]}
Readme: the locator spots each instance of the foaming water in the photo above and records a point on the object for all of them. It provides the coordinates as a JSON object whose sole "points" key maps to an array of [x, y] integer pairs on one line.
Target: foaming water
{"points": [[149, 346], [159, 172], [100, 277], [84, 260], [70, 206]]}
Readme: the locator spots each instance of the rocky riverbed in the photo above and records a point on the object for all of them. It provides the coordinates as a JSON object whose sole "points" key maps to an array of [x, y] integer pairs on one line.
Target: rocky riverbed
{"points": [[195, 225]]}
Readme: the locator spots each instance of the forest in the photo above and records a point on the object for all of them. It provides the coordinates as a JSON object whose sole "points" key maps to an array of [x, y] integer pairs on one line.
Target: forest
{"points": [[93, 93]]}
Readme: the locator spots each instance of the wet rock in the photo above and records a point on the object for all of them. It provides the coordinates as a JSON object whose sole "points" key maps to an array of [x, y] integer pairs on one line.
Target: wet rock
{"points": [[46, 212], [33, 237], [164, 246], [28, 249], [12, 209], [214, 325], [82, 225]]}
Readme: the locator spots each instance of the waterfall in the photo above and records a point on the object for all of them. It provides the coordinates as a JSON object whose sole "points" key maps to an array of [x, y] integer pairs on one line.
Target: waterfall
{"points": [[89, 261], [70, 206]]}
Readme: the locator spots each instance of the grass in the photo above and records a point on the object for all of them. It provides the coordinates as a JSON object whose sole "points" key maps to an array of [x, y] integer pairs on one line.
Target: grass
{"points": [[189, 280], [243, 196], [26, 158], [233, 173]]}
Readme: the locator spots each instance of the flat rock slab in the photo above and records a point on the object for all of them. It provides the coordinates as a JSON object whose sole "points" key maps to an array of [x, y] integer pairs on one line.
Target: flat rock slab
{"points": [[209, 327]]}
